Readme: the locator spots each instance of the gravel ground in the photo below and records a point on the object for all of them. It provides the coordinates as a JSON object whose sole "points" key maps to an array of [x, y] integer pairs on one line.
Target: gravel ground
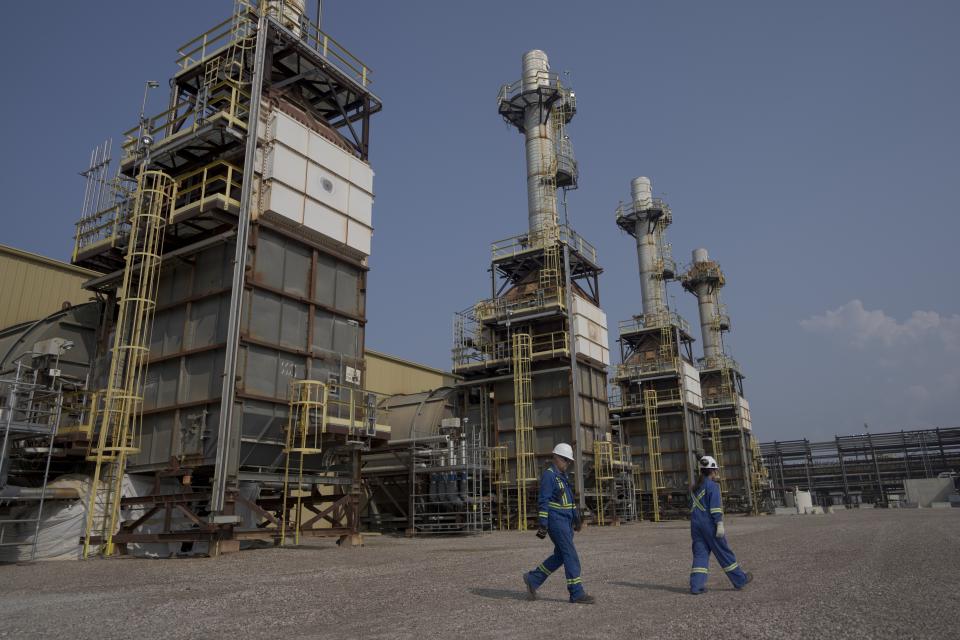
{"points": [[857, 574]]}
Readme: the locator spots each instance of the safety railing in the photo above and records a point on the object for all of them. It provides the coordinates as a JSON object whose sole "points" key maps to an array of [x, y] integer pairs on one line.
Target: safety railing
{"points": [[643, 209], [718, 362], [216, 180], [516, 245], [478, 353], [241, 25], [652, 321], [227, 101], [499, 308], [640, 369], [109, 225]]}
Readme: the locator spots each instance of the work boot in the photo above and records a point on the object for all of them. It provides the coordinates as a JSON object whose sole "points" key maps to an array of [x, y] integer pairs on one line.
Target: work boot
{"points": [[531, 590], [585, 599], [696, 593], [748, 581]]}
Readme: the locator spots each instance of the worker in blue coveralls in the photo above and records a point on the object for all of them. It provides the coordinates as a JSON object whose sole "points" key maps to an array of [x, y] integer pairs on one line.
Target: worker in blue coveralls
{"points": [[707, 531], [558, 517]]}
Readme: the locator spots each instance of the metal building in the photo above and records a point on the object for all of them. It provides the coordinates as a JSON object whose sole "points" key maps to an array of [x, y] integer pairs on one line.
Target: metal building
{"points": [[234, 240], [33, 286], [533, 355], [728, 430], [658, 409], [867, 468]]}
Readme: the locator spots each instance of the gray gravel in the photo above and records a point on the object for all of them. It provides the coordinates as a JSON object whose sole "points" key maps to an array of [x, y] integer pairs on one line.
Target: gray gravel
{"points": [[863, 574]]}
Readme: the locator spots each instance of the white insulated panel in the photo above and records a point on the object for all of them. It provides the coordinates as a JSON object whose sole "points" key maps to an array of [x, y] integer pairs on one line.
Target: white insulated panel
{"points": [[360, 206], [285, 129], [326, 154], [358, 236], [590, 330], [584, 307], [745, 418], [325, 220], [361, 174], [692, 384], [287, 166], [286, 202], [327, 187], [593, 350]]}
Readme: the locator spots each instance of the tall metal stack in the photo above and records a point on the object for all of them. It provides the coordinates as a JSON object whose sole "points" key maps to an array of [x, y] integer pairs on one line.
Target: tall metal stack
{"points": [[729, 434], [235, 238], [534, 355], [658, 409]]}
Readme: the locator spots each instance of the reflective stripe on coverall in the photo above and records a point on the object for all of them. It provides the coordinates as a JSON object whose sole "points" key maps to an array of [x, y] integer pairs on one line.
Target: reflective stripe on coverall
{"points": [[558, 513], [706, 511]]}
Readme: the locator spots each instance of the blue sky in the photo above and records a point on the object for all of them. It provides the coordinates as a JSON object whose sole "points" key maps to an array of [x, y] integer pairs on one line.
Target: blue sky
{"points": [[812, 147]]}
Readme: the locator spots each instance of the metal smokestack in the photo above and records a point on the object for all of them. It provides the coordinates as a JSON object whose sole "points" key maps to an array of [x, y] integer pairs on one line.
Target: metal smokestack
{"points": [[704, 280], [533, 105], [652, 288], [540, 145]]}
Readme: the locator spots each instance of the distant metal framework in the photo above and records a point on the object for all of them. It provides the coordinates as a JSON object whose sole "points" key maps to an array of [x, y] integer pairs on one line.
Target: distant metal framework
{"points": [[864, 468]]}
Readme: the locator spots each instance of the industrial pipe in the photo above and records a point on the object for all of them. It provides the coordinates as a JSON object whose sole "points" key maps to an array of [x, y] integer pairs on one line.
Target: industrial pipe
{"points": [[11, 492]]}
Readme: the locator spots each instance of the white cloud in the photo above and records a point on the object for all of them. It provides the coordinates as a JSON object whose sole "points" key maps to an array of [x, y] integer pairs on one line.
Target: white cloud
{"points": [[863, 328]]}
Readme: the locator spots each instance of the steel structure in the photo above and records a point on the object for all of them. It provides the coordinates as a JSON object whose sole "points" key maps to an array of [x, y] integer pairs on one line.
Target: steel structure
{"points": [[544, 284], [726, 410], [432, 484], [860, 469], [255, 277], [657, 409]]}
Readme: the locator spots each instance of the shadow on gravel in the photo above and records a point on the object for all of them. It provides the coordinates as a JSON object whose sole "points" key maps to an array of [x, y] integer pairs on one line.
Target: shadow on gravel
{"points": [[504, 594], [653, 587]]}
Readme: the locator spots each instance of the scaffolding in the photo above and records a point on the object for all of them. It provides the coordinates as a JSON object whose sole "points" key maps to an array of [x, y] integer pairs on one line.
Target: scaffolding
{"points": [[759, 476], [31, 405], [453, 481], [306, 425], [120, 418], [603, 477], [655, 461], [500, 475], [523, 423]]}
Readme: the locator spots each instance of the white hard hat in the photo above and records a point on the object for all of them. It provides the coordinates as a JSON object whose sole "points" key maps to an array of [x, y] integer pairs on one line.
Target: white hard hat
{"points": [[563, 450], [707, 462]]}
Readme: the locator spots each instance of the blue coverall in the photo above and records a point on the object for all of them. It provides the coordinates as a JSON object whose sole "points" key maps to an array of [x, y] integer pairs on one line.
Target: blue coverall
{"points": [[706, 511], [558, 513]]}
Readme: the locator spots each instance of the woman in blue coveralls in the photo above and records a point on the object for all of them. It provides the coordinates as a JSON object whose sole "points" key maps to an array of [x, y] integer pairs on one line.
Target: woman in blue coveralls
{"points": [[558, 517], [706, 529]]}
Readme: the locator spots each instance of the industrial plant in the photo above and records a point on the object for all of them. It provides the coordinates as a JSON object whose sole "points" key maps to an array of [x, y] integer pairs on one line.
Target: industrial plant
{"points": [[196, 381]]}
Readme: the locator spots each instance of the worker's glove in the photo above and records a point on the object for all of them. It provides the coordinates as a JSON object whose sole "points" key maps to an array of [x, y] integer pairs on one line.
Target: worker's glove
{"points": [[541, 532], [720, 531]]}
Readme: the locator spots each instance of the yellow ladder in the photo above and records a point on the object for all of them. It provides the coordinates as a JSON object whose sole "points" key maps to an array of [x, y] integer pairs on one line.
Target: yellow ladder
{"points": [[653, 451], [726, 384], [523, 422], [550, 273], [667, 351], [306, 424], [118, 431], [602, 474], [717, 451]]}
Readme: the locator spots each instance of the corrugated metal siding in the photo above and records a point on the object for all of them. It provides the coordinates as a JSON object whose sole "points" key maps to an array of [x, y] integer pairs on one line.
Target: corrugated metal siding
{"points": [[33, 287], [392, 376]]}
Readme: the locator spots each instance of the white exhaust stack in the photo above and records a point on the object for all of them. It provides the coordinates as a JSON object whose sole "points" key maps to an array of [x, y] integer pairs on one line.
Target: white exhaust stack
{"points": [[653, 292]]}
